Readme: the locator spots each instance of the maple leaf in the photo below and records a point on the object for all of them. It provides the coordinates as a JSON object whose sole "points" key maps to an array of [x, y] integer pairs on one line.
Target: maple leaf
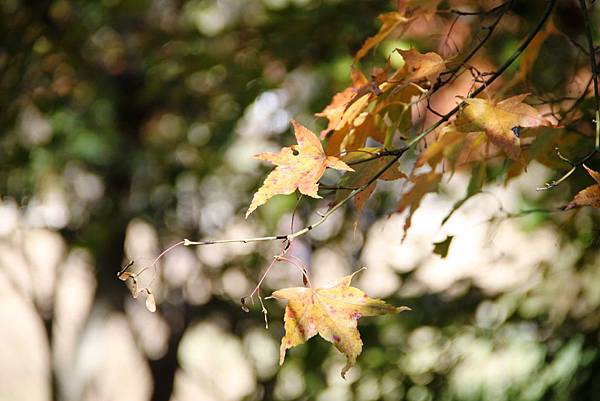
{"points": [[335, 111], [499, 120], [419, 8], [389, 22], [531, 54], [423, 184], [447, 146], [589, 196], [299, 166], [332, 312], [362, 174], [418, 66]]}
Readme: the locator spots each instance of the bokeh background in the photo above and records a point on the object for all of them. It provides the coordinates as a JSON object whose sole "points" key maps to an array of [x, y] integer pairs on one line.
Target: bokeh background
{"points": [[128, 125]]}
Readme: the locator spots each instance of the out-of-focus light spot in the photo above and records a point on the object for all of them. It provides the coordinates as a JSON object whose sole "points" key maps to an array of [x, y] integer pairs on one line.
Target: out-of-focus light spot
{"points": [[48, 209], [107, 47], [213, 256], [198, 289], [186, 155], [418, 393], [368, 389], [109, 364], [379, 281], [60, 9], [239, 156], [329, 230], [275, 4], [266, 116], [217, 207], [74, 298], [424, 354], [235, 283], [337, 393], [204, 82], [391, 387], [88, 186], [263, 350], [44, 250], [150, 328], [290, 382], [9, 216], [141, 241], [35, 129], [215, 360], [199, 134], [493, 372], [24, 349], [164, 128], [327, 267], [223, 107], [490, 314], [42, 45], [211, 17], [333, 366], [178, 266]]}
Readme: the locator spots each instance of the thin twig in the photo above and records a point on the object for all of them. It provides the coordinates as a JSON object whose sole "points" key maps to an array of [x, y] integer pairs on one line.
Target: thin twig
{"points": [[490, 29], [396, 153], [594, 68], [494, 76], [484, 12]]}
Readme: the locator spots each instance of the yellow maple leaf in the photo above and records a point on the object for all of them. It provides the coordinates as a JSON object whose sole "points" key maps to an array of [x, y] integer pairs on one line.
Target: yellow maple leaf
{"points": [[499, 120], [389, 23], [332, 312], [299, 166], [589, 196], [418, 66]]}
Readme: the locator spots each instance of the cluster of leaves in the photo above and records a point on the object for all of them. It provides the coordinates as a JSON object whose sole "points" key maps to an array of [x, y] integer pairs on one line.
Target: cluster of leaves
{"points": [[377, 120]]}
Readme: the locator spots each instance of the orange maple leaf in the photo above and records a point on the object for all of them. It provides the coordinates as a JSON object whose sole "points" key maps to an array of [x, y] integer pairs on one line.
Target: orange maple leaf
{"points": [[335, 111], [299, 166], [499, 120], [423, 184], [589, 196], [332, 312], [363, 174]]}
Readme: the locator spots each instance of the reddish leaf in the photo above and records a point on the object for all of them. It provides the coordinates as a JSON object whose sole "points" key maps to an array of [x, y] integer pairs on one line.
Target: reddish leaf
{"points": [[423, 184], [589, 196]]}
